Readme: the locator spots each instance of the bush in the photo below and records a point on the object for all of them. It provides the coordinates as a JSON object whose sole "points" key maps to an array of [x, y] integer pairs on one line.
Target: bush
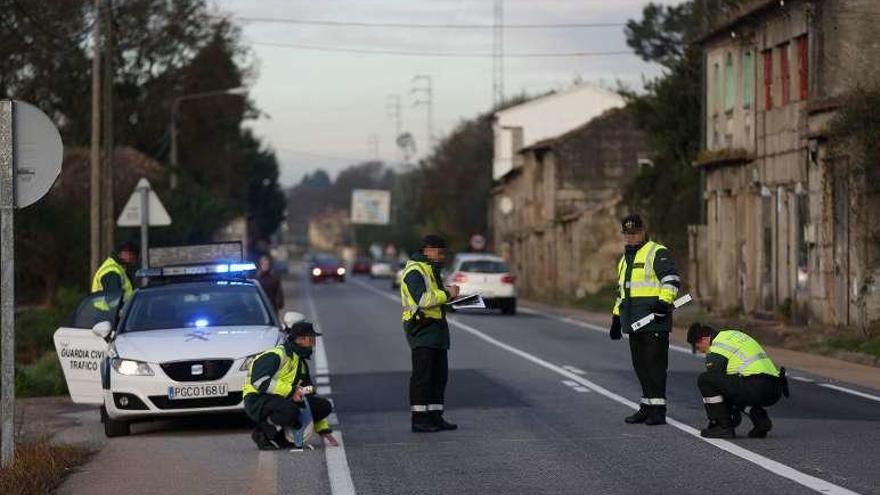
{"points": [[41, 378], [39, 467], [34, 327]]}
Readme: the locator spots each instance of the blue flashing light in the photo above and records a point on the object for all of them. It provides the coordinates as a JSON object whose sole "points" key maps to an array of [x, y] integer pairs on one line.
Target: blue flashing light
{"points": [[222, 269], [200, 323], [242, 267]]}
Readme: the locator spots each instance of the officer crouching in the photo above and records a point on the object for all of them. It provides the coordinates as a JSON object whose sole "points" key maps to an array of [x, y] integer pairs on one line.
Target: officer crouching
{"points": [[278, 386], [739, 377]]}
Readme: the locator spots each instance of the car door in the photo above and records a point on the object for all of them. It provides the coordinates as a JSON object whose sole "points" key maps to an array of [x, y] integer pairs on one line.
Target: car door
{"points": [[81, 352]]}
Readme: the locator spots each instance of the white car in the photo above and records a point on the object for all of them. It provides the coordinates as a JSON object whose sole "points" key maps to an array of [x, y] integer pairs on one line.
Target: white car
{"points": [[381, 269], [488, 275], [177, 348]]}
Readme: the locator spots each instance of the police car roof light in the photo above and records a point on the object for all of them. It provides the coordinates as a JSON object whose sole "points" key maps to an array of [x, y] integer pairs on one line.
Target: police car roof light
{"points": [[209, 269]]}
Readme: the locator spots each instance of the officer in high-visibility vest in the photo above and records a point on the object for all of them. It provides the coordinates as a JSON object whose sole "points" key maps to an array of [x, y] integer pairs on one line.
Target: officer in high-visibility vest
{"points": [[647, 283], [424, 322], [277, 386], [112, 276], [739, 377]]}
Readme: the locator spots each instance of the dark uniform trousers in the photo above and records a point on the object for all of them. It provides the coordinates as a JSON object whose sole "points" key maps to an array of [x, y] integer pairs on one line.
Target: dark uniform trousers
{"points": [[427, 384], [650, 358], [741, 391], [278, 411]]}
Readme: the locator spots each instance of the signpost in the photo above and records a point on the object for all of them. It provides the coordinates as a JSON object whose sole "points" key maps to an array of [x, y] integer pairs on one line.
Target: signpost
{"points": [[31, 152], [370, 207], [144, 210]]}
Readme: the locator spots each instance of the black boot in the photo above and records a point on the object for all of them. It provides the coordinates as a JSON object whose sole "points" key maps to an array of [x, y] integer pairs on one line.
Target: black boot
{"points": [[761, 423], [639, 417], [437, 419], [421, 423], [261, 437], [719, 422], [656, 416]]}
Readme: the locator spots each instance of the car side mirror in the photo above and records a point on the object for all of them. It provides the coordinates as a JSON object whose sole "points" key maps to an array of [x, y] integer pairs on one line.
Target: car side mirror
{"points": [[292, 317], [102, 329]]}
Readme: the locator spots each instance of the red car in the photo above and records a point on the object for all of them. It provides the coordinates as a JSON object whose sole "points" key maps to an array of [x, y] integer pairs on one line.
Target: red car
{"points": [[361, 265], [327, 267]]}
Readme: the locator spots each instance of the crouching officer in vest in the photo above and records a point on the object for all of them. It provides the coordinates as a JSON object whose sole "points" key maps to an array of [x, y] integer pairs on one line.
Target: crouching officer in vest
{"points": [[278, 385], [112, 276], [647, 283], [424, 322], [739, 378]]}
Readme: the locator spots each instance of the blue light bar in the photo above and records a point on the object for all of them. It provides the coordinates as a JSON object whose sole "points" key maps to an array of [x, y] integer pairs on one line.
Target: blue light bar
{"points": [[211, 269]]}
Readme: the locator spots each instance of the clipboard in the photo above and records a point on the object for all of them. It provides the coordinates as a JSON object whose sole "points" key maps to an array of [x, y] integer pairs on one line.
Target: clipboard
{"points": [[471, 301]]}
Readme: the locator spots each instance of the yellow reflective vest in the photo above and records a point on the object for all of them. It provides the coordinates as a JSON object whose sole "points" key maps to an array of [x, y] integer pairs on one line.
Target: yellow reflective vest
{"points": [[110, 265], [639, 286], [745, 356], [433, 299]]}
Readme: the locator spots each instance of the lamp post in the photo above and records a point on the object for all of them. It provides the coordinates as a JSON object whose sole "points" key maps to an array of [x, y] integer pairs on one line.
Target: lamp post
{"points": [[175, 104]]}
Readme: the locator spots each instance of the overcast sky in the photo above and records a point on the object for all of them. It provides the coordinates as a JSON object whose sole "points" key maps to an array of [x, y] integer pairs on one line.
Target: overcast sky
{"points": [[322, 106]]}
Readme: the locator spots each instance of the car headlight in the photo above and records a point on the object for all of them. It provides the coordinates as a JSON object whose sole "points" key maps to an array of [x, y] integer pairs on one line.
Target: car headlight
{"points": [[131, 367], [340, 271], [316, 272], [247, 362]]}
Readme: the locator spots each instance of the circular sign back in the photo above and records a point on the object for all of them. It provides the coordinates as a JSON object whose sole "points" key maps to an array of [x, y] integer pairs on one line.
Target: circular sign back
{"points": [[38, 153]]}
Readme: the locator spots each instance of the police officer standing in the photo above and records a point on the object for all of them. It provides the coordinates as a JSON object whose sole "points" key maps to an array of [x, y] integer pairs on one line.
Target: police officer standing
{"points": [[112, 277], [647, 283], [424, 322], [277, 386], [739, 376]]}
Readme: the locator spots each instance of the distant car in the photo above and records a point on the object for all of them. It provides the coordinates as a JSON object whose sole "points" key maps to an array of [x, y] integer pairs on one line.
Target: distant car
{"points": [[381, 269], [488, 275], [397, 279], [326, 267], [361, 265]]}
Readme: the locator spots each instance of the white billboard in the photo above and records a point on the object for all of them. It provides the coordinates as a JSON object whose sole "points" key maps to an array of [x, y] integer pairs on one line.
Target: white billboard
{"points": [[370, 207]]}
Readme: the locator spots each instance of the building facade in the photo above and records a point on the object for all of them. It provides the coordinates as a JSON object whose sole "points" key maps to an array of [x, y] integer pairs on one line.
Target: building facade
{"points": [[780, 234], [556, 217]]}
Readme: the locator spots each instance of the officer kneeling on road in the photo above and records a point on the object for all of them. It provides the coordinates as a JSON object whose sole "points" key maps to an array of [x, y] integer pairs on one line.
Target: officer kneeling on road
{"points": [[279, 386], [739, 377]]}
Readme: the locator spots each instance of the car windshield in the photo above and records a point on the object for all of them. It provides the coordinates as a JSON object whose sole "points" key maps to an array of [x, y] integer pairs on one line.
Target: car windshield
{"points": [[196, 306], [483, 266], [326, 259]]}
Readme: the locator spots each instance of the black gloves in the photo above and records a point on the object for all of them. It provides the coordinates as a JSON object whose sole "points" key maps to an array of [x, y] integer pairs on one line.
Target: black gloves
{"points": [[661, 309], [614, 333]]}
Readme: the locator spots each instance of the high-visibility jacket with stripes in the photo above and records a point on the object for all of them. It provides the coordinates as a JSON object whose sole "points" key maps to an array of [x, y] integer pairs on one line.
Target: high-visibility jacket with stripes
{"points": [[111, 266], [291, 371], [432, 300], [744, 355], [650, 276]]}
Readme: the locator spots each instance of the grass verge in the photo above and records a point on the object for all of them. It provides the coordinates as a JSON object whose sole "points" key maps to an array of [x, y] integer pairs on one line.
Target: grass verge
{"points": [[39, 467], [854, 344]]}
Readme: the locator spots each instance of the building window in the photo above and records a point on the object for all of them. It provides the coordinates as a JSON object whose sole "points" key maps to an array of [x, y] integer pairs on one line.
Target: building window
{"points": [[768, 79], [728, 83], [803, 69], [785, 73], [748, 79], [716, 83]]}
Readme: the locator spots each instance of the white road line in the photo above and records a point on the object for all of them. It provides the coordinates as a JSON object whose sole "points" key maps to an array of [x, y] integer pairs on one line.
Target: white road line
{"points": [[267, 474], [570, 383], [322, 380], [333, 419], [802, 379], [775, 467], [575, 370], [338, 470], [580, 389], [325, 390], [850, 391]]}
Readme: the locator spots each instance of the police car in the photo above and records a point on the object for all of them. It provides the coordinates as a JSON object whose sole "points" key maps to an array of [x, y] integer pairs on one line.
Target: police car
{"points": [[180, 346]]}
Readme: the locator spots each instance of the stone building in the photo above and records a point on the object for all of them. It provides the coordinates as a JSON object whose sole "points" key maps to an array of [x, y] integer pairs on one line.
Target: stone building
{"points": [[780, 234], [556, 216]]}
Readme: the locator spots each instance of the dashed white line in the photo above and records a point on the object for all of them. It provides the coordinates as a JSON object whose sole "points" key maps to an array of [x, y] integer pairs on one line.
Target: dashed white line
{"points": [[850, 391], [324, 390], [322, 380], [766, 463], [580, 389], [570, 383], [575, 370]]}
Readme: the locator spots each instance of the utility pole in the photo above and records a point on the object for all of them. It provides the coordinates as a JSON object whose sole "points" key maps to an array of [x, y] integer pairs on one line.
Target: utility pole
{"points": [[424, 95], [7, 283], [373, 146], [392, 109], [95, 155], [108, 222], [498, 54]]}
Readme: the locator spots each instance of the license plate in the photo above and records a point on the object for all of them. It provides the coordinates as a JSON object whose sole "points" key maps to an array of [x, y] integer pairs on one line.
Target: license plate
{"points": [[176, 392]]}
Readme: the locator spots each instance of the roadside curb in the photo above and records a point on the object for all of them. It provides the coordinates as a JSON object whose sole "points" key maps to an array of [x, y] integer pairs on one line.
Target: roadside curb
{"points": [[814, 364]]}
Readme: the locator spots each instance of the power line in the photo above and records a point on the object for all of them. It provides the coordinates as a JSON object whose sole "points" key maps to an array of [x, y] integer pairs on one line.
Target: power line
{"points": [[309, 22], [439, 54]]}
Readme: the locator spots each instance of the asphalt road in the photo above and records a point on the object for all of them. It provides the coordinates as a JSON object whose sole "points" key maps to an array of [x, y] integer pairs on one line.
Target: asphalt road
{"points": [[540, 402]]}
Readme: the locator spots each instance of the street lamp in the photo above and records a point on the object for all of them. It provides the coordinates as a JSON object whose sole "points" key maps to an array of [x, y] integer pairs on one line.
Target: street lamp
{"points": [[175, 103]]}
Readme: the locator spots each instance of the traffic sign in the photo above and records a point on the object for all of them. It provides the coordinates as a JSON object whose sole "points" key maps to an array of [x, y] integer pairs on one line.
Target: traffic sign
{"points": [[370, 207], [131, 214], [38, 153], [478, 242]]}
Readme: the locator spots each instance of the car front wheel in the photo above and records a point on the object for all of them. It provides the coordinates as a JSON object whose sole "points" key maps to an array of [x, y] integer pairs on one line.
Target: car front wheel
{"points": [[114, 427]]}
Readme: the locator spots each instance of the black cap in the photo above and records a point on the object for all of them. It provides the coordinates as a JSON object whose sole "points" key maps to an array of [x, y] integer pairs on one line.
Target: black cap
{"points": [[697, 331], [127, 246], [632, 224], [302, 329], [433, 241]]}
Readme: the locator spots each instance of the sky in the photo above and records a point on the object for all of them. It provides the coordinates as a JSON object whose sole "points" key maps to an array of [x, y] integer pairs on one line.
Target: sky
{"points": [[325, 109]]}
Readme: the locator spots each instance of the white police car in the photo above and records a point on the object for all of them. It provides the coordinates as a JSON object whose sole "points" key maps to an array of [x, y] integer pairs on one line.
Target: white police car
{"points": [[180, 346]]}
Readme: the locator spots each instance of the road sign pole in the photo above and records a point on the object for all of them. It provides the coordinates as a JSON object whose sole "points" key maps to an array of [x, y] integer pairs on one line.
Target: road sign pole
{"points": [[7, 285], [145, 223]]}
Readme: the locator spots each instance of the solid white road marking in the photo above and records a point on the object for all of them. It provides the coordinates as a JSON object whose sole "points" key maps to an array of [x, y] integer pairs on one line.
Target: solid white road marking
{"points": [[333, 419], [580, 389], [338, 470], [802, 379], [775, 467], [325, 390], [322, 380], [850, 391], [575, 370], [570, 383]]}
